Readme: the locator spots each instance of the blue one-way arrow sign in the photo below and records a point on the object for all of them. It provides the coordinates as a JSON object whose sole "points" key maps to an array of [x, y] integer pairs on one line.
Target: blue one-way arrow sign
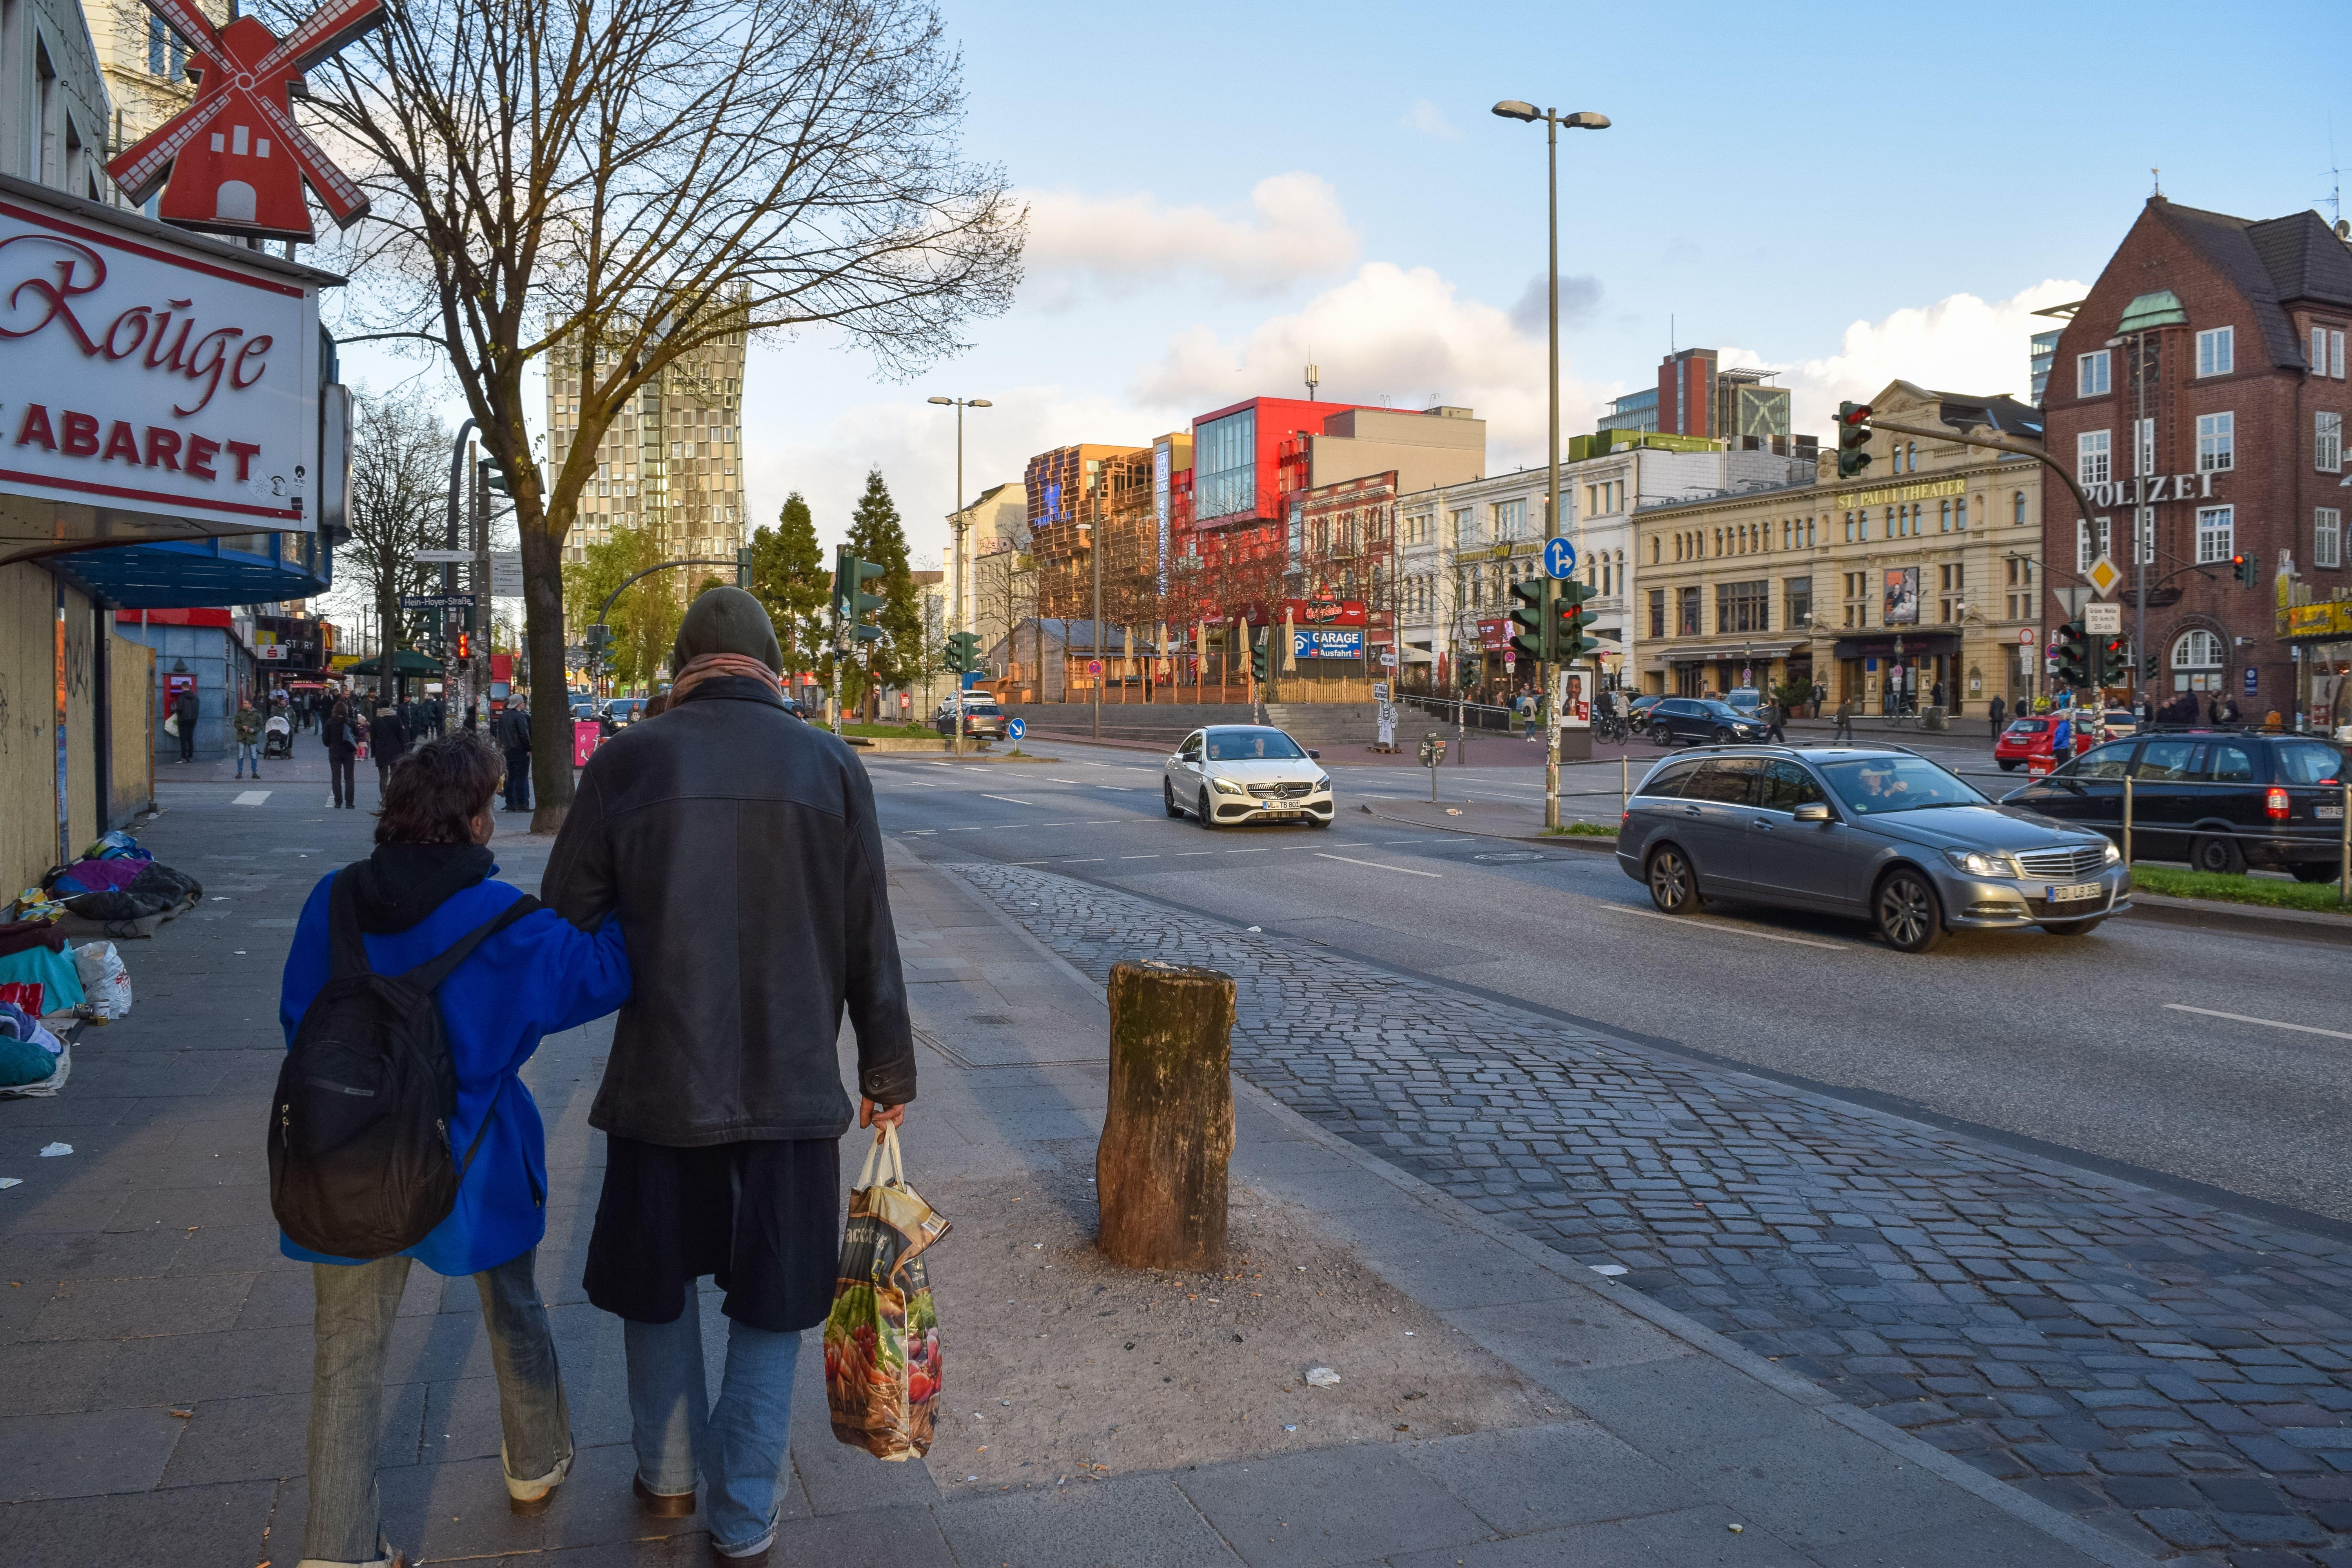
{"points": [[1559, 559]]}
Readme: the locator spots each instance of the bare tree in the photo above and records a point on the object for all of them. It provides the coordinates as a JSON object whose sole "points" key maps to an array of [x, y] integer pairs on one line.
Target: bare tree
{"points": [[612, 186], [400, 497]]}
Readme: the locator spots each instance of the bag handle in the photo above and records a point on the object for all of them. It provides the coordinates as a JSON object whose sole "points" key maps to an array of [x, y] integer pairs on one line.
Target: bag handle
{"points": [[894, 1173]]}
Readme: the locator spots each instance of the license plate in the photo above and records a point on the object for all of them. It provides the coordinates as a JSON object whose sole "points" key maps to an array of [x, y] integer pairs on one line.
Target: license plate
{"points": [[2078, 890], [2329, 813]]}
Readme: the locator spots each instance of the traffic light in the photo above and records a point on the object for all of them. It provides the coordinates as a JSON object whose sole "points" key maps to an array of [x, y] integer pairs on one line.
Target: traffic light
{"points": [[743, 568], [963, 653], [851, 602], [2242, 568], [1258, 651], [2115, 663], [1531, 616], [599, 638], [2147, 666], [465, 647], [1571, 636], [2073, 656], [1854, 438]]}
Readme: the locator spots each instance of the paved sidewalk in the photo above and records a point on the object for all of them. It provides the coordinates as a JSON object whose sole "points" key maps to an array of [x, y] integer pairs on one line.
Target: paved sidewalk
{"points": [[154, 1350], [2176, 1374]]}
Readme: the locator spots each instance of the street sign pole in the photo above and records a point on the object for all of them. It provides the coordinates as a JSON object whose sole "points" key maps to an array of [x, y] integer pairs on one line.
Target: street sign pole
{"points": [[1551, 708]]}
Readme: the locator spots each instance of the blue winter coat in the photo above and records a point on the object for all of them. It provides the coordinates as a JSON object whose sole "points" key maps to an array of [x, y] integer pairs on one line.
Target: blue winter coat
{"points": [[540, 975]]}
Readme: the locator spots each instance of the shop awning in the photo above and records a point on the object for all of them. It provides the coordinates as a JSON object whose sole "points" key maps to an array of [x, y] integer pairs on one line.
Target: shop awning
{"points": [[1720, 652], [407, 661], [1913, 642], [189, 573]]}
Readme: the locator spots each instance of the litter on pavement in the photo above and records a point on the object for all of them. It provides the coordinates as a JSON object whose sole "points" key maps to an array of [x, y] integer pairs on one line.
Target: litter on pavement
{"points": [[1321, 1377], [54, 1149]]}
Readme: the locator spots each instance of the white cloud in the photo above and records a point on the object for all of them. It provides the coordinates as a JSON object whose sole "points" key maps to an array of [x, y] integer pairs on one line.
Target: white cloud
{"points": [[1960, 343], [1295, 229], [1388, 331], [1430, 120]]}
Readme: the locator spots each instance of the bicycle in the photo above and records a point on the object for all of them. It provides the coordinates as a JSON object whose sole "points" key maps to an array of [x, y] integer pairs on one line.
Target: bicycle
{"points": [[1609, 730]]}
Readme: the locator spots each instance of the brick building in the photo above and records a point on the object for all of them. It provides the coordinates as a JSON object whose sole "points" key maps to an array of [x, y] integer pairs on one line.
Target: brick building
{"points": [[2220, 342]]}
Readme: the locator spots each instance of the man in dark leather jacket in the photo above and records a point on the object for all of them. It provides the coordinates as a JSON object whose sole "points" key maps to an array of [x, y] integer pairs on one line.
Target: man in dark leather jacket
{"points": [[741, 850]]}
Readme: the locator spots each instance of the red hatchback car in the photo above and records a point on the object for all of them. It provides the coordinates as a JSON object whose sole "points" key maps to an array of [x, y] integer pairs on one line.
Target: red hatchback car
{"points": [[2024, 740]]}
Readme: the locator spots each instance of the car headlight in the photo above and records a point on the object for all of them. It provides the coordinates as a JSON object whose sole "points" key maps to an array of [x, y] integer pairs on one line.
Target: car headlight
{"points": [[2114, 854], [1322, 783], [1226, 786], [1978, 864]]}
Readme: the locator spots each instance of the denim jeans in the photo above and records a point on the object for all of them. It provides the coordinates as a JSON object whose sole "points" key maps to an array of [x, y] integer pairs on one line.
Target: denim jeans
{"points": [[738, 1444], [356, 1307], [246, 752]]}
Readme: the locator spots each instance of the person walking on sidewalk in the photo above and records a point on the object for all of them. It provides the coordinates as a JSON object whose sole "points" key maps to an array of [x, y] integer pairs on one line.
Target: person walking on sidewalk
{"points": [[514, 739], [184, 711], [341, 733], [387, 743], [248, 725], [723, 1103], [1995, 712], [1845, 730], [1768, 713], [426, 890]]}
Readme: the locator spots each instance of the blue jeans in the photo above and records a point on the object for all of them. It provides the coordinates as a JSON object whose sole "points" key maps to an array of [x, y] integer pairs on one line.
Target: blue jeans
{"points": [[738, 1444], [356, 1307], [246, 752]]}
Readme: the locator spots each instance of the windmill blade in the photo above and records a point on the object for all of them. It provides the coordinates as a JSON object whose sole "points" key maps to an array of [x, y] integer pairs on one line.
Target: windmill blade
{"points": [[140, 172], [344, 202], [320, 33], [188, 22]]}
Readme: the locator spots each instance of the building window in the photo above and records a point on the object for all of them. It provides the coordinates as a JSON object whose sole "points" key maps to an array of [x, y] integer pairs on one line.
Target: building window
{"points": [[2327, 537], [1225, 480], [2216, 533], [2093, 464], [2147, 533], [1742, 606], [1465, 534], [2091, 542], [1943, 516], [1686, 612], [2217, 442], [1511, 520], [2336, 352], [1658, 612], [2327, 444], [1857, 598], [2091, 374], [2016, 510], [2197, 662], [2217, 351], [1798, 592], [1960, 514], [2145, 460]]}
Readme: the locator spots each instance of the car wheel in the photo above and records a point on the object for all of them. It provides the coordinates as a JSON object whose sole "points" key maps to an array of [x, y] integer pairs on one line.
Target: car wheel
{"points": [[1673, 885], [2217, 854], [2008, 764], [1722, 737], [1661, 736], [2314, 871], [2075, 928], [1313, 821], [1167, 799], [1909, 915], [1203, 813]]}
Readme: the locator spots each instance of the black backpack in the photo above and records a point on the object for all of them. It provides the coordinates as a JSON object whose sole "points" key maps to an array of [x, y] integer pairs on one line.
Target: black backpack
{"points": [[361, 1163]]}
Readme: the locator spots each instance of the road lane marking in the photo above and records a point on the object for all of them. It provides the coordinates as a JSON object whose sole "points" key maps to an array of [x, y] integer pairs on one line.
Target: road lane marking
{"points": [[1087, 861], [1008, 800], [1378, 866], [1139, 857], [1734, 930], [250, 798], [2267, 1023], [1267, 851], [1182, 853]]}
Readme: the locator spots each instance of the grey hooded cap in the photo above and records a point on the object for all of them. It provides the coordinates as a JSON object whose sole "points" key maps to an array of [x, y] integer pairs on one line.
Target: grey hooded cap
{"points": [[726, 620]]}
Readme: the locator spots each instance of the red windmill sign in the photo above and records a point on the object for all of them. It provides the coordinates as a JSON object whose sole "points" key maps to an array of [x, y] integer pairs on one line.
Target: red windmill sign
{"points": [[235, 160]]}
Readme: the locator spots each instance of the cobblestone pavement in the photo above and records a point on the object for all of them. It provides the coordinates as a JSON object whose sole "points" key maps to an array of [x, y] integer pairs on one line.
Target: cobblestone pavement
{"points": [[2179, 1374]]}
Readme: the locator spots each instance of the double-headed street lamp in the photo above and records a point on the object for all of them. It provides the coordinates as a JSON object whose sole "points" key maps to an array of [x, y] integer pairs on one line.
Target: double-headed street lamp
{"points": [[1582, 120], [956, 525]]}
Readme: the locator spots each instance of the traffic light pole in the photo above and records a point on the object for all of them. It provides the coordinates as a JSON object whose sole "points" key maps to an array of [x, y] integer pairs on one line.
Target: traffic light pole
{"points": [[1549, 667]]}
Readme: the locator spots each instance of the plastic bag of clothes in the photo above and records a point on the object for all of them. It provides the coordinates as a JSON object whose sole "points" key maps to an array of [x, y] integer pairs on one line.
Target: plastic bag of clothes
{"points": [[32, 1059], [35, 904], [116, 845], [105, 982], [882, 1366]]}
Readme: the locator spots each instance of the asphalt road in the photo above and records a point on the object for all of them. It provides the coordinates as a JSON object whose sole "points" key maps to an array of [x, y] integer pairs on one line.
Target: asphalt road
{"points": [[2199, 1056]]}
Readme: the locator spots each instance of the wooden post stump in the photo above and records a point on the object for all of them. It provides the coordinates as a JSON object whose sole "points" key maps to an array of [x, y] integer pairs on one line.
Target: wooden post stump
{"points": [[1160, 1170]]}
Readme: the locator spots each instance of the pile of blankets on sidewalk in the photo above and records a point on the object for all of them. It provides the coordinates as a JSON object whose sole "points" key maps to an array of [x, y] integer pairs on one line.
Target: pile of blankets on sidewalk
{"points": [[119, 885]]}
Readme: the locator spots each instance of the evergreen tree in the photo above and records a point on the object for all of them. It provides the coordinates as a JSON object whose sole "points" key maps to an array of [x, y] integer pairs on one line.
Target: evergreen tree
{"points": [[789, 576], [875, 535]]}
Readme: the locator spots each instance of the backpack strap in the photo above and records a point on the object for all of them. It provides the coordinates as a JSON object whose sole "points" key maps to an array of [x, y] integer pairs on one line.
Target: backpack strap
{"points": [[429, 974], [346, 953]]}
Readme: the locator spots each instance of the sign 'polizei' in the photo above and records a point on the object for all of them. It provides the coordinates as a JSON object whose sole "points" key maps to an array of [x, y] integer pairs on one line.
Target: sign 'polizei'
{"points": [[150, 374]]}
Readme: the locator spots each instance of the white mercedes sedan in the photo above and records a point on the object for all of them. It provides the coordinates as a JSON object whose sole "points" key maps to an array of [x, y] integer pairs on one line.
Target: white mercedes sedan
{"points": [[1230, 773]]}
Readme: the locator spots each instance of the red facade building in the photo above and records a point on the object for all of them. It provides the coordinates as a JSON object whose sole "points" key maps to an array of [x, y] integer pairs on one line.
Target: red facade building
{"points": [[2200, 389]]}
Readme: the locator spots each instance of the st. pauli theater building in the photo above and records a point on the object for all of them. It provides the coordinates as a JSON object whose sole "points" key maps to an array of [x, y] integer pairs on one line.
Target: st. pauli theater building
{"points": [[174, 446]]}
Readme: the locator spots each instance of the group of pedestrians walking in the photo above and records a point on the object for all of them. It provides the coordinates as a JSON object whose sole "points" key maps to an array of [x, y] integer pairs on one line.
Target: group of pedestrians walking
{"points": [[721, 1102]]}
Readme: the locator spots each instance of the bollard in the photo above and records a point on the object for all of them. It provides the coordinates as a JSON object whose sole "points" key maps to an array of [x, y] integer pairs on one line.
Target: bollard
{"points": [[1160, 1170], [1624, 786], [2344, 841], [2127, 826]]}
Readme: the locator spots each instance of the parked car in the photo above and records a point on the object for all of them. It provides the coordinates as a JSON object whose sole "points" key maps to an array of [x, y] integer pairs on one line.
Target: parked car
{"points": [[1231, 773], [1881, 832], [623, 711], [982, 717], [1703, 720], [2022, 741], [1746, 699], [2220, 800], [584, 709]]}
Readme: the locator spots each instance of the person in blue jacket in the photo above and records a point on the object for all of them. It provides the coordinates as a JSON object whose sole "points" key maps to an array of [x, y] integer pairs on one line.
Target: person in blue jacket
{"points": [[428, 883]]}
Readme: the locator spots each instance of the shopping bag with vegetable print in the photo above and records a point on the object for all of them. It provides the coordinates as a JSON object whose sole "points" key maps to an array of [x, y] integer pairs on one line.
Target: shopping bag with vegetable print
{"points": [[882, 1367]]}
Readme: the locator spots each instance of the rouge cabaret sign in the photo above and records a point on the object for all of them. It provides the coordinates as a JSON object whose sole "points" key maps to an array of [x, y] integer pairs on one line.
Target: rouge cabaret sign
{"points": [[146, 377]]}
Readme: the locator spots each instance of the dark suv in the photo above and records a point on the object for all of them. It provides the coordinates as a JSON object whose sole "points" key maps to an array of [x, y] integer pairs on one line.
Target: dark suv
{"points": [[1699, 719], [2220, 799]]}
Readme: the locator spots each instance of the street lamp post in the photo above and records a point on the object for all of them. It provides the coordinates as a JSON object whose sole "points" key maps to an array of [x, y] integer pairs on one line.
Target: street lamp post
{"points": [[956, 525], [1582, 120]]}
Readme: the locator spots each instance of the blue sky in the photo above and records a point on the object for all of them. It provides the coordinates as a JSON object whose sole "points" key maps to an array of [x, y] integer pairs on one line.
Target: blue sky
{"points": [[1844, 195]]}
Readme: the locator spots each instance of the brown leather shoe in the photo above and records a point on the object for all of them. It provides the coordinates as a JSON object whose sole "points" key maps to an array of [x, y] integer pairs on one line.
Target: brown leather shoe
{"points": [[661, 1505], [756, 1560]]}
